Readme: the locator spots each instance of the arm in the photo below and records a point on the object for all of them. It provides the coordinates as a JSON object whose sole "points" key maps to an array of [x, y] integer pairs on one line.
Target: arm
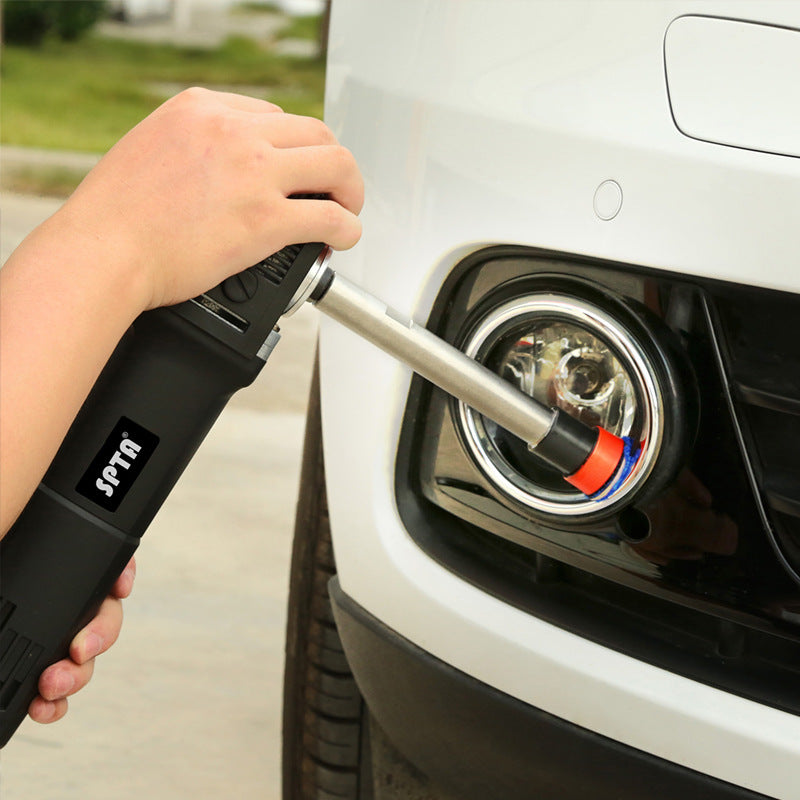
{"points": [[196, 192]]}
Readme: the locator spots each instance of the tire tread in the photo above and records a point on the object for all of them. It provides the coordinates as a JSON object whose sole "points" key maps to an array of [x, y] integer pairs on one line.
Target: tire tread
{"points": [[324, 714]]}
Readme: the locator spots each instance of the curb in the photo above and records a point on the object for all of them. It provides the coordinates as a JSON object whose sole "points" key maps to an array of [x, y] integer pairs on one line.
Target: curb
{"points": [[11, 156]]}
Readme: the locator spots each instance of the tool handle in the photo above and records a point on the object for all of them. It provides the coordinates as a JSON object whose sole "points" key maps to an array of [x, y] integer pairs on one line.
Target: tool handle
{"points": [[146, 415], [50, 551]]}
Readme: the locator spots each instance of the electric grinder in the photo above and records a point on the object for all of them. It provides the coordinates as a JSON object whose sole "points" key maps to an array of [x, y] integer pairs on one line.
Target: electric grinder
{"points": [[159, 394]]}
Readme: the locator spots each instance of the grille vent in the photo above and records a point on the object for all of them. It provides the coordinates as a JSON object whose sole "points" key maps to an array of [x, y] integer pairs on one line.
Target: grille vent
{"points": [[275, 267], [761, 332]]}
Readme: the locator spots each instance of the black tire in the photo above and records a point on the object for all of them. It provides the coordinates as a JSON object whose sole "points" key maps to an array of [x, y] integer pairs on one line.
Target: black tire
{"points": [[325, 728]]}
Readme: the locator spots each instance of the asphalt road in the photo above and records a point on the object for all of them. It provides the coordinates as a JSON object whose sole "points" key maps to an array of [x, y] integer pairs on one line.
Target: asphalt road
{"points": [[187, 704]]}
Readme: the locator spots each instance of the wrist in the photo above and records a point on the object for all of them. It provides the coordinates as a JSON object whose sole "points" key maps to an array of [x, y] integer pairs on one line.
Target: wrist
{"points": [[101, 262]]}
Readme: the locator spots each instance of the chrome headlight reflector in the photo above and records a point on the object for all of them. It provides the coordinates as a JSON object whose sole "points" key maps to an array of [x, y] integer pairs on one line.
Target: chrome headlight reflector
{"points": [[567, 352]]}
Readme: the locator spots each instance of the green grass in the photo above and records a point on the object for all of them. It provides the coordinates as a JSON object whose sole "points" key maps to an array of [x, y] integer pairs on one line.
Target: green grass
{"points": [[257, 8], [301, 28], [84, 95]]}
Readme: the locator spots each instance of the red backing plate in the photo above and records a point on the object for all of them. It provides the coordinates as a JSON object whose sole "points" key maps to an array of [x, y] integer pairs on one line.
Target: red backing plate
{"points": [[602, 463]]}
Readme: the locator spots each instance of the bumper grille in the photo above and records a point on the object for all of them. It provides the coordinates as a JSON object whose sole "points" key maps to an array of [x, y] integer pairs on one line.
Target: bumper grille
{"points": [[760, 337]]}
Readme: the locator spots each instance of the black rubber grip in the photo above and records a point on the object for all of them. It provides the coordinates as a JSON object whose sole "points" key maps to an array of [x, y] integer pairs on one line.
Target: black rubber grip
{"points": [[567, 444]]}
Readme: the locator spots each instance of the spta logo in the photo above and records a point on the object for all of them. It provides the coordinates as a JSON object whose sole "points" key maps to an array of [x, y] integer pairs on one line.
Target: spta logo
{"points": [[109, 480], [118, 464]]}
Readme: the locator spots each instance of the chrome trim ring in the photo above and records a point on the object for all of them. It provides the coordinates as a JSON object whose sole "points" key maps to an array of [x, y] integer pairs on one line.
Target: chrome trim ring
{"points": [[309, 283], [630, 354]]}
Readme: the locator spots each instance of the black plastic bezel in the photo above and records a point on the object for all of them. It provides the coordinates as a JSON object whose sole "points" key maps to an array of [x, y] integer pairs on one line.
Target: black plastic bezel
{"points": [[729, 620], [671, 372]]}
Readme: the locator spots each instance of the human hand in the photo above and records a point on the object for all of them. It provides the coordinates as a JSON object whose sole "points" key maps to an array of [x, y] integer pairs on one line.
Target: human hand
{"points": [[685, 526], [65, 677], [201, 188]]}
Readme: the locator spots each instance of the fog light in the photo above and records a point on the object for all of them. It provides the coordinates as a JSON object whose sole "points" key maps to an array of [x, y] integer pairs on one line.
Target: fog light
{"points": [[562, 364], [565, 352]]}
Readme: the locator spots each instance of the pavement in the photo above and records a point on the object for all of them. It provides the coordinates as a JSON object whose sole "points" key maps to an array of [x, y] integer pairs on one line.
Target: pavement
{"points": [[37, 157], [187, 704]]}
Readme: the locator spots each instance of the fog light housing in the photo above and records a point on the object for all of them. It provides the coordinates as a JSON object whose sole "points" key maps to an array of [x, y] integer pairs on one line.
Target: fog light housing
{"points": [[568, 352]]}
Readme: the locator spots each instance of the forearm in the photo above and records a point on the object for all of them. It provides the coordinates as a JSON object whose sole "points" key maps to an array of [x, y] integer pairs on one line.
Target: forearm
{"points": [[199, 190], [66, 298]]}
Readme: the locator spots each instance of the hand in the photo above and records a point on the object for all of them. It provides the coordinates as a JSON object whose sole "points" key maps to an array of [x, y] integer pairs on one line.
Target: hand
{"points": [[64, 678], [196, 192], [685, 526], [200, 190]]}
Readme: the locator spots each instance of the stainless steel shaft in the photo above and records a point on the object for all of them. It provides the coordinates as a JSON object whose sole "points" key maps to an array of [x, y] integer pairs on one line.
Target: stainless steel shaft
{"points": [[436, 360]]}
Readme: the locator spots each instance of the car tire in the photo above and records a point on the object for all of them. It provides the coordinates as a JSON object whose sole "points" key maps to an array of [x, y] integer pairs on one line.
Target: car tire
{"points": [[325, 726]]}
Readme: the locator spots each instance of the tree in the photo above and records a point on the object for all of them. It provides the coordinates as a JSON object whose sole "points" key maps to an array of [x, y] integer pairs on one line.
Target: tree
{"points": [[27, 22]]}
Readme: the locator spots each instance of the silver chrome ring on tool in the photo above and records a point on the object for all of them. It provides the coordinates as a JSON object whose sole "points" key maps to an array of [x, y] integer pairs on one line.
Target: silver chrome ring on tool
{"points": [[309, 283], [631, 356]]}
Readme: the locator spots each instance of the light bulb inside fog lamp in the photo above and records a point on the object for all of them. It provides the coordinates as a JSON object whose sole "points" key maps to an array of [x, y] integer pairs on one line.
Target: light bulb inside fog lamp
{"points": [[561, 364], [564, 352]]}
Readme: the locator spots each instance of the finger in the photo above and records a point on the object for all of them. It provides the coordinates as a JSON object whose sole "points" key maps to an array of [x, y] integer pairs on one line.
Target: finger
{"points": [[99, 634], [323, 170], [292, 130], [683, 553], [653, 556], [124, 584], [45, 711], [721, 536], [690, 487], [64, 678], [242, 102], [320, 221]]}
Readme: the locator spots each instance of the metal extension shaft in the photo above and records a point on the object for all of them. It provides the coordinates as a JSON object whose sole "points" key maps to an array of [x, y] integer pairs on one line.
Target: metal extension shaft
{"points": [[436, 360]]}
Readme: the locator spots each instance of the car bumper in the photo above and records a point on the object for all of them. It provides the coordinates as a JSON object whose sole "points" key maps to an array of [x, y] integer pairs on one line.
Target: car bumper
{"points": [[480, 743]]}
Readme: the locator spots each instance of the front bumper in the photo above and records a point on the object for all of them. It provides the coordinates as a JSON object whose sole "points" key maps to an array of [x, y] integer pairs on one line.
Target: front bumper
{"points": [[480, 743]]}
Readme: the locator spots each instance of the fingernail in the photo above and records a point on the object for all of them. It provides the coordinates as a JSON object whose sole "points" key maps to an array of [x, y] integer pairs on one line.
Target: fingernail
{"points": [[93, 645], [46, 711]]}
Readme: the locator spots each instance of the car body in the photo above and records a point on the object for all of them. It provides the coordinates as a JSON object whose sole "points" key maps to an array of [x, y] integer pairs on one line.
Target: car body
{"points": [[635, 148]]}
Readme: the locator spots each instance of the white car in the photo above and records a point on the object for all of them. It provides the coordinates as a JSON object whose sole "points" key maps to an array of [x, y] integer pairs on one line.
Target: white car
{"points": [[601, 202]]}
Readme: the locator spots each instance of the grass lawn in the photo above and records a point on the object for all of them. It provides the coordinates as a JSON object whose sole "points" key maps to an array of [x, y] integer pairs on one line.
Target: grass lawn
{"points": [[84, 95]]}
